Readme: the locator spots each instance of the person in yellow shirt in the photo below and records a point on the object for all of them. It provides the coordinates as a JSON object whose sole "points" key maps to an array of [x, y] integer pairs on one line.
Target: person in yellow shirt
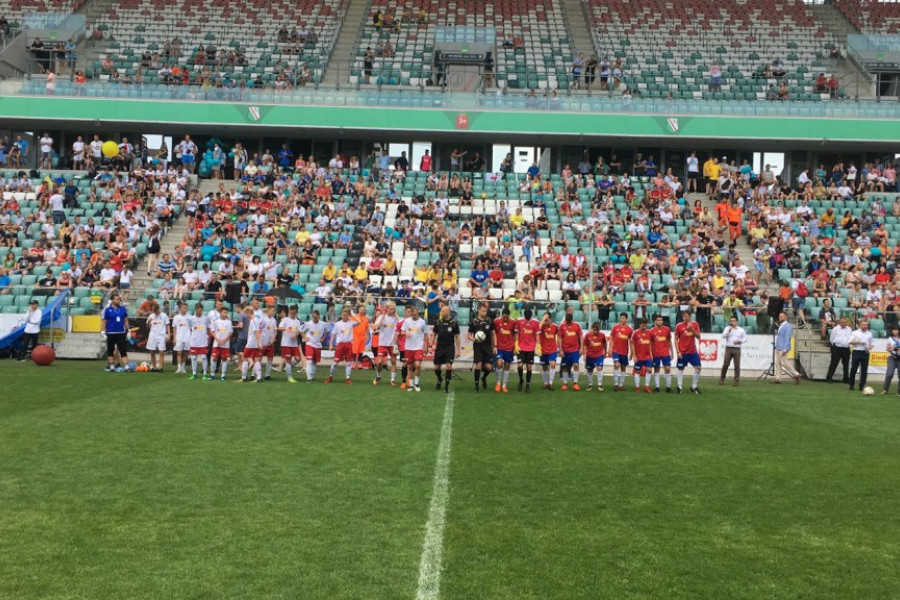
{"points": [[718, 281], [518, 219], [302, 237], [361, 274], [390, 265], [450, 279], [711, 171], [420, 274], [329, 272], [434, 274], [637, 260]]}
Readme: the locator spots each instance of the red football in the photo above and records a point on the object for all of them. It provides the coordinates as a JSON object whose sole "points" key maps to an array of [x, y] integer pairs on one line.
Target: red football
{"points": [[43, 356]]}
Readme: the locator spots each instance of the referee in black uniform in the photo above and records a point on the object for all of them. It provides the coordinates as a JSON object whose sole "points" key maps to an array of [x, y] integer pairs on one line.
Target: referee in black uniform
{"points": [[446, 347], [483, 358]]}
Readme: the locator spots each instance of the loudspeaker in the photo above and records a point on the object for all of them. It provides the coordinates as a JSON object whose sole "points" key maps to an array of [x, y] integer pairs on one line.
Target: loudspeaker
{"points": [[776, 306], [233, 293]]}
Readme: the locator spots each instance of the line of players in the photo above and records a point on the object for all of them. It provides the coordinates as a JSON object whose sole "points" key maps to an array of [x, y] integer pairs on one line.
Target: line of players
{"points": [[651, 351]]}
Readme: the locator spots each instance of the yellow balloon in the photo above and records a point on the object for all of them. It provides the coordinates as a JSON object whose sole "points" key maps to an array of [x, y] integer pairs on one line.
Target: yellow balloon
{"points": [[110, 149]]}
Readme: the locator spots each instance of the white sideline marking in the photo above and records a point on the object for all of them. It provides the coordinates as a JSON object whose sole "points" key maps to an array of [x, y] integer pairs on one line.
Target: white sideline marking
{"points": [[433, 547]]}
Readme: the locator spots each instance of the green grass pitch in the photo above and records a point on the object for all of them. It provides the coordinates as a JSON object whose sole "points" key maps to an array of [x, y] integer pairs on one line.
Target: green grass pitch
{"points": [[140, 486]]}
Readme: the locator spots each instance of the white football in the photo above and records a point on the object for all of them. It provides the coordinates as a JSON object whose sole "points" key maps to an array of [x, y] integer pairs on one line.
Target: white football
{"points": [[480, 336], [868, 391]]}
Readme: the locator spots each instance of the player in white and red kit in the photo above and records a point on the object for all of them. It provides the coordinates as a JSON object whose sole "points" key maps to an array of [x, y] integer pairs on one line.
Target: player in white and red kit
{"points": [[222, 331], [687, 338], [662, 352], [549, 349], [527, 330], [290, 342], [570, 336], [642, 354], [253, 350], [342, 344], [313, 332], [505, 338], [594, 355], [181, 329], [385, 326], [620, 336], [269, 333], [199, 341], [414, 331]]}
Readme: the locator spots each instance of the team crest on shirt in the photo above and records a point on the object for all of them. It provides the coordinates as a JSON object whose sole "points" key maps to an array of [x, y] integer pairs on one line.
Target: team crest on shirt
{"points": [[709, 350]]}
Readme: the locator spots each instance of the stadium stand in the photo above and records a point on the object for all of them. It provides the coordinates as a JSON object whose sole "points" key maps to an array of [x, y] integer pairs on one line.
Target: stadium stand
{"points": [[532, 41], [67, 230], [729, 51], [871, 17], [221, 45]]}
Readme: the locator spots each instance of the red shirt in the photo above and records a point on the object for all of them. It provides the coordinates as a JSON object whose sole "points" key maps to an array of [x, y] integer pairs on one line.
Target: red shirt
{"points": [[620, 335], [426, 163], [528, 332], [662, 341], [570, 336], [595, 344], [642, 342], [548, 338], [505, 330], [686, 335]]}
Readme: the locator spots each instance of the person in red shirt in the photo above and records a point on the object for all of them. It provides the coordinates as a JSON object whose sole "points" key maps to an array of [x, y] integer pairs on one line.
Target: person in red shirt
{"points": [[594, 354], [570, 343], [687, 336], [425, 163], [505, 342], [527, 335], [663, 350], [642, 353], [620, 336], [549, 349]]}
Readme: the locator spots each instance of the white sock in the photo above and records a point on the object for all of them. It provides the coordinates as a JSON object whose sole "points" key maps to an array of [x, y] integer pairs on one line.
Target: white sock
{"points": [[647, 380], [696, 378], [257, 370], [288, 369], [331, 371], [668, 380], [637, 380], [600, 378], [224, 367], [679, 377], [268, 368], [393, 376], [551, 374], [310, 369], [194, 365], [347, 369], [656, 378], [574, 376], [245, 366]]}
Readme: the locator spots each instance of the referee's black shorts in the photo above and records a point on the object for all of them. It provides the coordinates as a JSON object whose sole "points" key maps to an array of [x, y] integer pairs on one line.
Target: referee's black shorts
{"points": [[526, 357], [116, 341], [444, 355], [483, 353]]}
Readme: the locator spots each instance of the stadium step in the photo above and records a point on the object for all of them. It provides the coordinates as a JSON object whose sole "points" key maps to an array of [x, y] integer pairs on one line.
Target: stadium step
{"points": [[579, 28], [337, 73]]}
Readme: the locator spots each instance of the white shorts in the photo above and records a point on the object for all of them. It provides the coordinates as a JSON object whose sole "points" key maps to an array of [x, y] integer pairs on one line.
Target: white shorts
{"points": [[156, 344], [182, 346]]}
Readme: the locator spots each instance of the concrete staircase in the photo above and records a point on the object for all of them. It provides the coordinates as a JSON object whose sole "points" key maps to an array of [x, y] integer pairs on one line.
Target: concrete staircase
{"points": [[855, 82], [338, 72], [86, 346], [580, 37], [143, 283]]}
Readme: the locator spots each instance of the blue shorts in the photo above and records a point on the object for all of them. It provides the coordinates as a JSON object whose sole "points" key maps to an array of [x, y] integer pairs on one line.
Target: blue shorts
{"points": [[546, 359], [643, 364], [505, 355], [662, 361], [689, 359], [621, 359], [571, 358], [591, 362], [187, 158]]}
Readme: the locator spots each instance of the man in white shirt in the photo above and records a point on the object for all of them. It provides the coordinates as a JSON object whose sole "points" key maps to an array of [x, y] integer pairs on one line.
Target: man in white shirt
{"points": [[693, 167], [734, 337], [160, 332], [342, 344], [840, 350], [253, 350], [199, 342], [414, 330], [32, 329], [181, 324], [222, 331], [58, 207], [313, 332], [290, 328], [78, 146], [96, 154], [46, 143], [861, 344], [108, 276]]}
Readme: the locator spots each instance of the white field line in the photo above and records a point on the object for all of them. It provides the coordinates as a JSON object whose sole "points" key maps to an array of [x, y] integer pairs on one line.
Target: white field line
{"points": [[433, 547]]}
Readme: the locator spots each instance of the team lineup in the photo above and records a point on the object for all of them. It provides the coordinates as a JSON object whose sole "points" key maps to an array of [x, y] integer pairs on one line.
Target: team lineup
{"points": [[399, 345]]}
